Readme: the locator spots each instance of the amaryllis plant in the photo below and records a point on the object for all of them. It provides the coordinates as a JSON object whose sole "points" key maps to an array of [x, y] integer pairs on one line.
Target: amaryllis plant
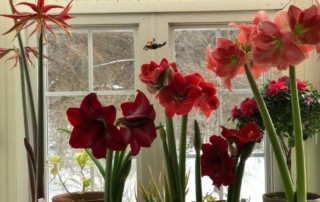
{"points": [[282, 42], [96, 127], [277, 96], [39, 19]]}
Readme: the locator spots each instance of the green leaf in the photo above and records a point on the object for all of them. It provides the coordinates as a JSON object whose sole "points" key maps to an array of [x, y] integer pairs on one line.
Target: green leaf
{"points": [[54, 171], [86, 183]]}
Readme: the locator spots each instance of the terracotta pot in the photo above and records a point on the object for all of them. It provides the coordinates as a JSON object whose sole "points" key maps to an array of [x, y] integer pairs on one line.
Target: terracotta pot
{"points": [[79, 197], [280, 197]]}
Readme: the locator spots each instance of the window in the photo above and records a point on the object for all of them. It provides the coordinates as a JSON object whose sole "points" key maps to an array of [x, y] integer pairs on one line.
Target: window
{"points": [[92, 60], [105, 57]]}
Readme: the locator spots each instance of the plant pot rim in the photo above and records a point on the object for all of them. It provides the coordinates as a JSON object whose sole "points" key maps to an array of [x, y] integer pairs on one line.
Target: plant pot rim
{"points": [[280, 197], [90, 196]]}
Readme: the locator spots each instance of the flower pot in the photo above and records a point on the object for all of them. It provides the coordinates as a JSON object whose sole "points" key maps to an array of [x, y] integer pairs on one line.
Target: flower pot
{"points": [[280, 197], [79, 197]]}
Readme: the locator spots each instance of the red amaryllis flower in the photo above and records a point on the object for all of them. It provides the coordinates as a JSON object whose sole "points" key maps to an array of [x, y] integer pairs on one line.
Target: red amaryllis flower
{"points": [[216, 162], [93, 127], [249, 132], [40, 17], [154, 75], [5, 51], [138, 119], [270, 46], [226, 60], [182, 93], [305, 24], [208, 101]]}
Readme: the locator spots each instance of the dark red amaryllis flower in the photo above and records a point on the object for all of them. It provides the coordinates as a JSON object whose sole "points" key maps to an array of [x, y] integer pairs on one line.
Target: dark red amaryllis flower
{"points": [[249, 132], [216, 162], [39, 16], [93, 127], [182, 93], [138, 120], [153, 74]]}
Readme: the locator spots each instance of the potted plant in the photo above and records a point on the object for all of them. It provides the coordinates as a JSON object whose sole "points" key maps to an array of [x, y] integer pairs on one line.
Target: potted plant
{"points": [[80, 179]]}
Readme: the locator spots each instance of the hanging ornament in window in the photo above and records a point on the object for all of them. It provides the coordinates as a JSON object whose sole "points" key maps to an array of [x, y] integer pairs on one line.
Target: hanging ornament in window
{"points": [[152, 44]]}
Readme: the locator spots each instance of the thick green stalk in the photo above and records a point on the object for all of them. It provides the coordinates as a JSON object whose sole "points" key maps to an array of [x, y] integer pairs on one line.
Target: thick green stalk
{"points": [[25, 70], [108, 177], [41, 132], [285, 174], [300, 166], [174, 159], [170, 179], [197, 146], [182, 152], [245, 154]]}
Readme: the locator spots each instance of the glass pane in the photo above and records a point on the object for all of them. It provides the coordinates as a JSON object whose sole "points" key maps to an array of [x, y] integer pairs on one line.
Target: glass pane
{"points": [[67, 62], [191, 51], [113, 60]]}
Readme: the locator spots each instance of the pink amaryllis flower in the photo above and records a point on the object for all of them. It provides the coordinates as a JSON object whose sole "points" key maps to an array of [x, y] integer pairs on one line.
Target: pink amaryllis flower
{"points": [[16, 57], [93, 127], [270, 46], [155, 75], [182, 93], [226, 60], [305, 24], [138, 120], [216, 162], [248, 133], [39, 16]]}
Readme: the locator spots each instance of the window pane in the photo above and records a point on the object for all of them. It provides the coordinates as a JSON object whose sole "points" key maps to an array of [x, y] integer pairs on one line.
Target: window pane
{"points": [[67, 62], [191, 55], [113, 63]]}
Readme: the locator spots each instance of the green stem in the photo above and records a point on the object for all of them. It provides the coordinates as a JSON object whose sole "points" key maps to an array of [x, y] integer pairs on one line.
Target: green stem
{"points": [[96, 162], [108, 177], [171, 191], [300, 166], [182, 152], [285, 174], [174, 159], [197, 146], [41, 132], [245, 154]]}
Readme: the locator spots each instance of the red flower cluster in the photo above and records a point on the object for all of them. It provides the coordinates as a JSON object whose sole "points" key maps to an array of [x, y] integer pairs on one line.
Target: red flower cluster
{"points": [[282, 85], [217, 162], [179, 93], [285, 41], [247, 108], [95, 126]]}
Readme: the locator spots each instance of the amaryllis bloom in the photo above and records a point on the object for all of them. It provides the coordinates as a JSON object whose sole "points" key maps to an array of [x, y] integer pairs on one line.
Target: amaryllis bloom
{"points": [[93, 127], [155, 75], [226, 60], [138, 120], [209, 100], [248, 133], [270, 46], [39, 16], [216, 162], [305, 24], [182, 93], [17, 55]]}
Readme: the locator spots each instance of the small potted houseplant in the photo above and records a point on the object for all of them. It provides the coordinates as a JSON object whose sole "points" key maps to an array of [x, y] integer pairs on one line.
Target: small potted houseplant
{"points": [[80, 179]]}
